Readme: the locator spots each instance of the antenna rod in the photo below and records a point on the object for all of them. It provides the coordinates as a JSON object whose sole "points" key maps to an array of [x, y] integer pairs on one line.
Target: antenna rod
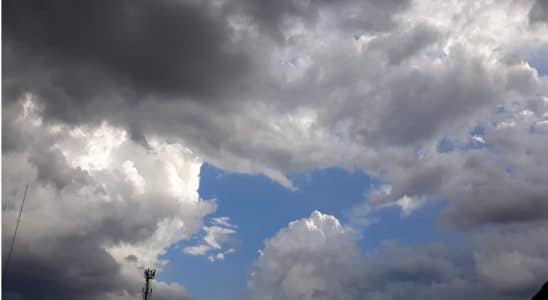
{"points": [[147, 291], [15, 232]]}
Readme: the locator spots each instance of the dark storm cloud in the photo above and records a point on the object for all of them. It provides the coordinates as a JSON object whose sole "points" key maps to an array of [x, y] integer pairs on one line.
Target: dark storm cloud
{"points": [[84, 59], [539, 12], [84, 65], [70, 267], [73, 267], [71, 52]]}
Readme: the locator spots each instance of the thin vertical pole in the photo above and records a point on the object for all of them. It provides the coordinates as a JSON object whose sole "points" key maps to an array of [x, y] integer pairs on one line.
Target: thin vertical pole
{"points": [[15, 233], [147, 291]]}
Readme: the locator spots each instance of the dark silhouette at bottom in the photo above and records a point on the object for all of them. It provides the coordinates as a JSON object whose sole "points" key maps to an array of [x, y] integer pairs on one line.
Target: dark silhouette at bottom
{"points": [[543, 293], [147, 290]]}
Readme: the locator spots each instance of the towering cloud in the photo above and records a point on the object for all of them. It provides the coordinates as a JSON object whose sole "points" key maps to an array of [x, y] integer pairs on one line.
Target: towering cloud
{"points": [[100, 208], [315, 258]]}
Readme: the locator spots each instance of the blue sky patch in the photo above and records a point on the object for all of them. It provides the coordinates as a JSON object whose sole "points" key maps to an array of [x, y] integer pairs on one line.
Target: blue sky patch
{"points": [[260, 207]]}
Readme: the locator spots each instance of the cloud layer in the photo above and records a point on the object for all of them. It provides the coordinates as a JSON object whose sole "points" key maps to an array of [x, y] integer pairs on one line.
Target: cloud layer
{"points": [[316, 258], [110, 107]]}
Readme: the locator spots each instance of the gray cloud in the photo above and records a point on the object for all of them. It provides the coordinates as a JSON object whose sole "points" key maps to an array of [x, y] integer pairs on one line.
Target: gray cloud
{"points": [[501, 182], [96, 51], [496, 198], [272, 18], [90, 208], [401, 45], [83, 271], [539, 12], [314, 258], [85, 59], [373, 96], [513, 261], [311, 259], [267, 88]]}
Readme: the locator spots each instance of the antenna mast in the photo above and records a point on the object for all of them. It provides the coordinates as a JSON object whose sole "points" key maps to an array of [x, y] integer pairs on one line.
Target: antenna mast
{"points": [[15, 233], [147, 290]]}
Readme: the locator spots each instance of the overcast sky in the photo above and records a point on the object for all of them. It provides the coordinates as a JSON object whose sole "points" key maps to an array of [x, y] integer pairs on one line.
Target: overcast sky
{"points": [[281, 150]]}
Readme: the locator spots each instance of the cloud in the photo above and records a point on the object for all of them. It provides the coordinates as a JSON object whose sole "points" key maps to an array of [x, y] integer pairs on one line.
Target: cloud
{"points": [[275, 18], [311, 258], [401, 45], [96, 199], [267, 88], [538, 12], [196, 250], [504, 183], [501, 182], [216, 238], [315, 258], [158, 48], [513, 261], [120, 88]]}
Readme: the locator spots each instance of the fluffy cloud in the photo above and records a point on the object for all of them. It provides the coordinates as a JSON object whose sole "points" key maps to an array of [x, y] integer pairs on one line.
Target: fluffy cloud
{"points": [[100, 208], [316, 258], [215, 239], [311, 259]]}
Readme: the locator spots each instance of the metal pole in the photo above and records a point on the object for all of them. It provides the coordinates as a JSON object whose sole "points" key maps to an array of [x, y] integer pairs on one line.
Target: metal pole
{"points": [[147, 291], [15, 233]]}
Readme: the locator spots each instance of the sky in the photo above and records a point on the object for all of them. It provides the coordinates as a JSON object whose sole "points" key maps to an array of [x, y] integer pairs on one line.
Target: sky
{"points": [[275, 150]]}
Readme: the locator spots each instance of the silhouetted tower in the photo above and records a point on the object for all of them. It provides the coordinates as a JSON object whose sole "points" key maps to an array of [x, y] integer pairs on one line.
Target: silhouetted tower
{"points": [[147, 290]]}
